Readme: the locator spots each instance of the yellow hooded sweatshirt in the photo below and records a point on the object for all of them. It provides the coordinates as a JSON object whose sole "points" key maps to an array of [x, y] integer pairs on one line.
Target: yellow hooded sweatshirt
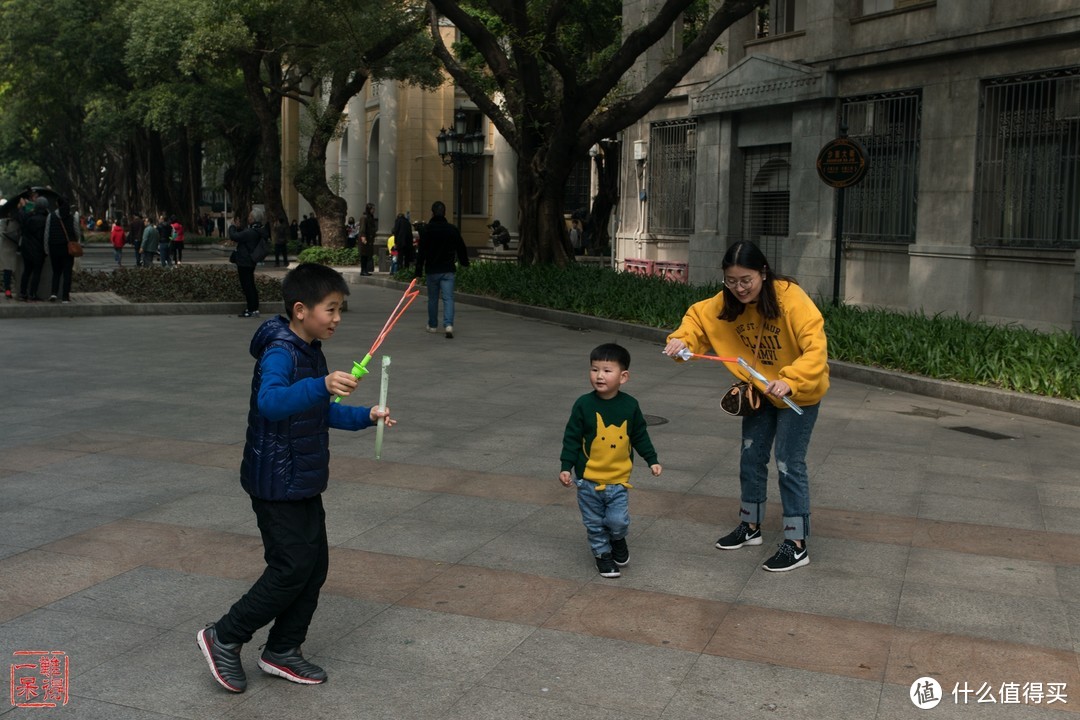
{"points": [[793, 346]]}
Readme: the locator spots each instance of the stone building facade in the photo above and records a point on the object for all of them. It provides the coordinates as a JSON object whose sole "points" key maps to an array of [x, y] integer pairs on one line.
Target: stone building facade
{"points": [[969, 115]]}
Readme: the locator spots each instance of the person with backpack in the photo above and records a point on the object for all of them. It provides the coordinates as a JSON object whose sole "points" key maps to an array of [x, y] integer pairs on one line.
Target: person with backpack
{"points": [[251, 248]]}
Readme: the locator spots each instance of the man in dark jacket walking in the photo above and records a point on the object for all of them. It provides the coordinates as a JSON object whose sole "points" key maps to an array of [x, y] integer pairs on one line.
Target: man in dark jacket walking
{"points": [[440, 243]]}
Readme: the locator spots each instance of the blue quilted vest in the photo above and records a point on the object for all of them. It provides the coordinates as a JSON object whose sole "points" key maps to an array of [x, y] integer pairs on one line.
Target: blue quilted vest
{"points": [[286, 459]]}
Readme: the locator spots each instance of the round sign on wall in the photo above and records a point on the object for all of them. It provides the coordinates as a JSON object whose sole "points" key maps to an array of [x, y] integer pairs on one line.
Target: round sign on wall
{"points": [[842, 162]]}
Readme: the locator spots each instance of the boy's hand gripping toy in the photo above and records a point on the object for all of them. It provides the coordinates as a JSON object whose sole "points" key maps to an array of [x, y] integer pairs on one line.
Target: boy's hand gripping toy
{"points": [[359, 369], [685, 354]]}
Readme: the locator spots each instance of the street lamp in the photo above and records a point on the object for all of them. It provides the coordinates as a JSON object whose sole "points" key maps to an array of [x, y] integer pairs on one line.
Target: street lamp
{"points": [[459, 148]]}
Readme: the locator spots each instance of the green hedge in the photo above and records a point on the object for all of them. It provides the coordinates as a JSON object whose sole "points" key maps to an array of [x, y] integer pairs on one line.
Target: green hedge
{"points": [[944, 347], [186, 283], [336, 257]]}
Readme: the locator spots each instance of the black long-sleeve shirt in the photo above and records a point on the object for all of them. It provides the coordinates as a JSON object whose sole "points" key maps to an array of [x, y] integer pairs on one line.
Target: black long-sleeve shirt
{"points": [[440, 243]]}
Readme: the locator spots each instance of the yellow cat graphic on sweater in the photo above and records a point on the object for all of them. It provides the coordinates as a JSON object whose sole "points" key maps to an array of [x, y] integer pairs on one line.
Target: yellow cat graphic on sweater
{"points": [[609, 456]]}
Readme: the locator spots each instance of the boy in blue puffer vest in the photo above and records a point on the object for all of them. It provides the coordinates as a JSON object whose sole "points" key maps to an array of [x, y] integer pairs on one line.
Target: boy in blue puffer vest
{"points": [[285, 469]]}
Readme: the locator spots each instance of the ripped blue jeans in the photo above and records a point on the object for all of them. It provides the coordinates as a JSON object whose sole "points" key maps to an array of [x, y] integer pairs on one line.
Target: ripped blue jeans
{"points": [[790, 433]]}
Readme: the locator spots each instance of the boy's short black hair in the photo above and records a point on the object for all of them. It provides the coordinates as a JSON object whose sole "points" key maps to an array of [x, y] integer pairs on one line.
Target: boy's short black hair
{"points": [[611, 352], [310, 283]]}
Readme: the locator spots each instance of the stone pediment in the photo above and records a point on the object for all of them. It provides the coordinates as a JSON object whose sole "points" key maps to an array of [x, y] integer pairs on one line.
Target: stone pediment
{"points": [[762, 81]]}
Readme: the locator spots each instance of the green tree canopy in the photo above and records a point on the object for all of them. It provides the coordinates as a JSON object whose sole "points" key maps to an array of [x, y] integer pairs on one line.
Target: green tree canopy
{"points": [[550, 74], [61, 100]]}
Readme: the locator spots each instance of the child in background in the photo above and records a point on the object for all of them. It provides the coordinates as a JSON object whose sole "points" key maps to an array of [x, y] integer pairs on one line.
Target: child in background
{"points": [[605, 427]]}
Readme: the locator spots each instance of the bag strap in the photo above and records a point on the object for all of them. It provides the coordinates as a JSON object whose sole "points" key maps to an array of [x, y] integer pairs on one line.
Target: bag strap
{"points": [[66, 236]]}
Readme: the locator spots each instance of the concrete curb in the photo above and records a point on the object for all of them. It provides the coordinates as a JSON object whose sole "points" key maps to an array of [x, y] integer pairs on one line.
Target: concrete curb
{"points": [[74, 310], [1044, 408]]}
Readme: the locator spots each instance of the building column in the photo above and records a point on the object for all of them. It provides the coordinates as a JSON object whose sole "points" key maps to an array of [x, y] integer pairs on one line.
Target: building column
{"points": [[357, 155], [1076, 295], [504, 200], [719, 187], [385, 195]]}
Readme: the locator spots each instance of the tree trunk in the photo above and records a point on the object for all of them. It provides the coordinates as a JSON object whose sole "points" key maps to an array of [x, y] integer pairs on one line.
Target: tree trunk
{"points": [[598, 223], [310, 181], [544, 238], [268, 112]]}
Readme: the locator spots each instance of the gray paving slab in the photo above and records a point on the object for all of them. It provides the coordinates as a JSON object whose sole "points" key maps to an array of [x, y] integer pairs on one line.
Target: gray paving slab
{"points": [[902, 492], [732, 689], [567, 666]]}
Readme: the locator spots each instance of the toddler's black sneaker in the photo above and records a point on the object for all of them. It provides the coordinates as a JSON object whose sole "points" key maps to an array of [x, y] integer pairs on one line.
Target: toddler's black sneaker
{"points": [[620, 553], [607, 567]]}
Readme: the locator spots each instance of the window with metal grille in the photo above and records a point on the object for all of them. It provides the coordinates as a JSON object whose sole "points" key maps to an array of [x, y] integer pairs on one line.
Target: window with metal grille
{"points": [[1027, 178], [576, 191], [672, 167], [882, 206], [474, 176], [767, 197]]}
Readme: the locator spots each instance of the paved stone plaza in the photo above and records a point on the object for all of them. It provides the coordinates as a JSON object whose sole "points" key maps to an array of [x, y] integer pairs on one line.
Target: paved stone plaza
{"points": [[946, 538]]}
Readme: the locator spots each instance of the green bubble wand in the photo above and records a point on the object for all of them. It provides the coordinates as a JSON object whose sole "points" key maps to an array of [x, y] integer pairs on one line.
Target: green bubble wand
{"points": [[359, 369], [384, 387]]}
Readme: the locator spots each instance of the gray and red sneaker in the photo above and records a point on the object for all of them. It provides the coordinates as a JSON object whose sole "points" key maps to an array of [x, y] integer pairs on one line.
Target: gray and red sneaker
{"points": [[224, 660], [292, 666]]}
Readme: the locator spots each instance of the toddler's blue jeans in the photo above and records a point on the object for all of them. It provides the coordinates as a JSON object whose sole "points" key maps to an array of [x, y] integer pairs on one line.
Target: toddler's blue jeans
{"points": [[606, 514]]}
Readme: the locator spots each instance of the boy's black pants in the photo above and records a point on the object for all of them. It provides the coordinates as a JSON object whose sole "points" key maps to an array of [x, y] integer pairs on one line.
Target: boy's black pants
{"points": [[297, 557]]}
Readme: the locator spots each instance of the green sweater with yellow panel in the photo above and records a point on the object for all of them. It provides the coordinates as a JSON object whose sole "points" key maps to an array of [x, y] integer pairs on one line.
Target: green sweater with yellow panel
{"points": [[601, 437]]}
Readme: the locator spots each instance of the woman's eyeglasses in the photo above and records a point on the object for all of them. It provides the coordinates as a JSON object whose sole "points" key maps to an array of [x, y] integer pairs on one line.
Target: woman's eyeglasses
{"points": [[732, 283]]}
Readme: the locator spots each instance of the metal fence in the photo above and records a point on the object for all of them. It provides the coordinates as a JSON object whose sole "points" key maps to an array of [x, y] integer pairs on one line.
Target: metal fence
{"points": [[1027, 189], [672, 169], [883, 206]]}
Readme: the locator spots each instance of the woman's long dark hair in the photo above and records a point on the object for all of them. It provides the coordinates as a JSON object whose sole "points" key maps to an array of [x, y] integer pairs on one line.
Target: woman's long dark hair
{"points": [[748, 255]]}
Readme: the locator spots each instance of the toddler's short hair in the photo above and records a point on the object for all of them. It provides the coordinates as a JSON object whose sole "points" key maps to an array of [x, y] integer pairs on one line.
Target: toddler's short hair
{"points": [[310, 283], [611, 352]]}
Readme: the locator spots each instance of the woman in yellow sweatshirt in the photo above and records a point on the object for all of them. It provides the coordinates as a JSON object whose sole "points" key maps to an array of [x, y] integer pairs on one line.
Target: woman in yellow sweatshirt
{"points": [[758, 309]]}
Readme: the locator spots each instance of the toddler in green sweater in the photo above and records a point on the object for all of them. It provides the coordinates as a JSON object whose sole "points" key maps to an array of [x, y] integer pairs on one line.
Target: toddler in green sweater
{"points": [[605, 427]]}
